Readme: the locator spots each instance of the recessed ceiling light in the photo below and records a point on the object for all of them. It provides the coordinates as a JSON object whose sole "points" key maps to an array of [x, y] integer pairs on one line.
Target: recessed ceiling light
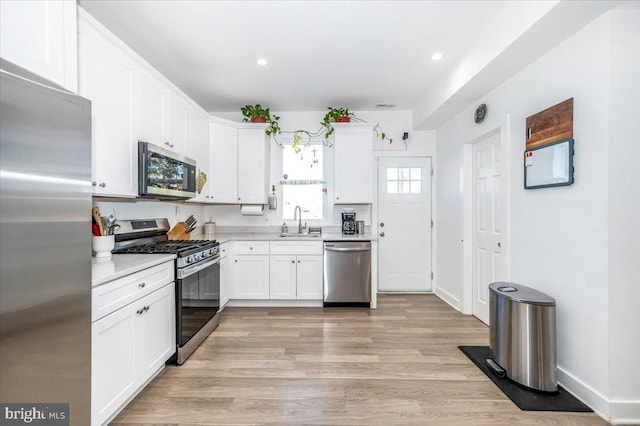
{"points": [[262, 62], [436, 56]]}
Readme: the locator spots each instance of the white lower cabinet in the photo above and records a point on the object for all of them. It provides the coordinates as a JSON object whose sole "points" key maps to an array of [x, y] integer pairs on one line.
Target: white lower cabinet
{"points": [[251, 278], [129, 345], [295, 277], [250, 270], [296, 270]]}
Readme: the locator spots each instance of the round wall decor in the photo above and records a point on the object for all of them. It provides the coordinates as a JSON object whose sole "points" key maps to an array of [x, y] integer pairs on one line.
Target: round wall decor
{"points": [[481, 111]]}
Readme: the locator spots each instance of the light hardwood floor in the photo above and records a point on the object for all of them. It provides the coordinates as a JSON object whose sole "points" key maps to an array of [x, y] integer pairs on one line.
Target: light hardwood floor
{"points": [[397, 365]]}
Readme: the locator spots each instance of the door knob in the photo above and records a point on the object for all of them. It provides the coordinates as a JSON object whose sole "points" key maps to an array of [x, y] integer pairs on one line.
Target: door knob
{"points": [[382, 234], [381, 224]]}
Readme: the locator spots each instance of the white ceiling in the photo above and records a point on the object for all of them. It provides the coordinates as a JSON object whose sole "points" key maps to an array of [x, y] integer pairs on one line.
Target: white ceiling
{"points": [[355, 54]]}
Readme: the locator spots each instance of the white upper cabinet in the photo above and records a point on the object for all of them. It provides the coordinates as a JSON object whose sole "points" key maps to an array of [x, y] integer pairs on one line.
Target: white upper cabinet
{"points": [[109, 78], [176, 123], [253, 165], [353, 159], [152, 107], [199, 147], [41, 37], [223, 163], [131, 102]]}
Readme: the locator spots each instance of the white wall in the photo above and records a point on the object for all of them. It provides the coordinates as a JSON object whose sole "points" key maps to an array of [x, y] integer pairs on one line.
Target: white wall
{"points": [[624, 214], [557, 239]]}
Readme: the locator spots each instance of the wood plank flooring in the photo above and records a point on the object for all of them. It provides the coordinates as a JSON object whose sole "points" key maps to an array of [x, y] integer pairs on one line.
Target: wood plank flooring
{"points": [[397, 365]]}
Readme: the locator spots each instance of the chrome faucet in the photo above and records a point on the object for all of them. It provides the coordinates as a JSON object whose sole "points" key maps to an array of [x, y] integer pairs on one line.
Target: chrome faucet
{"points": [[298, 211]]}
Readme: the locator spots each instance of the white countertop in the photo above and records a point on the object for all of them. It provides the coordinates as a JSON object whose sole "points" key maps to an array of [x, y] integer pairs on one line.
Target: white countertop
{"points": [[120, 265], [264, 236]]}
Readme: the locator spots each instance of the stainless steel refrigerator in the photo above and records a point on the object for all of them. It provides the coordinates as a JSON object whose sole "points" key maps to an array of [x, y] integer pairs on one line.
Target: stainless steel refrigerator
{"points": [[45, 244]]}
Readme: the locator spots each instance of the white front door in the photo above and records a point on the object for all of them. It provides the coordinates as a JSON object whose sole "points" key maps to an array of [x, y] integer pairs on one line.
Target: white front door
{"points": [[487, 222], [404, 227]]}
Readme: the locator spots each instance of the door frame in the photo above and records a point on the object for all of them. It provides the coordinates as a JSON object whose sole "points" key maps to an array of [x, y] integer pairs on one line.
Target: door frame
{"points": [[468, 210]]}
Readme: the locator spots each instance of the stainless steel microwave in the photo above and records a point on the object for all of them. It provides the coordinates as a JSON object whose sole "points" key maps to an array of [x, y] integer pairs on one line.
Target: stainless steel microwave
{"points": [[165, 174]]}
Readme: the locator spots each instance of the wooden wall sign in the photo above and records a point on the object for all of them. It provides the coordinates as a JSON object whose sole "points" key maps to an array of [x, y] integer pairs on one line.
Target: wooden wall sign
{"points": [[551, 125]]}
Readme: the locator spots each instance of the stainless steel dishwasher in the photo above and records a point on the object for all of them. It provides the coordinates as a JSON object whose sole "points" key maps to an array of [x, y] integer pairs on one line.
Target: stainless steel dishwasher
{"points": [[347, 273]]}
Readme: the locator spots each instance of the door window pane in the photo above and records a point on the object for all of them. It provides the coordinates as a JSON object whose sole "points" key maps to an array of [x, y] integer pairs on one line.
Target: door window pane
{"points": [[404, 180]]}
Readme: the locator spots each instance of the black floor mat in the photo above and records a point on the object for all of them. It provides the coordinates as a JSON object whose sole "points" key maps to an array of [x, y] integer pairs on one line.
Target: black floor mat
{"points": [[525, 399]]}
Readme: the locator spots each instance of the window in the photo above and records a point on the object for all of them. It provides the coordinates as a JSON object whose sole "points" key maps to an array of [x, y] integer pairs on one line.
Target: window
{"points": [[404, 180], [302, 182]]}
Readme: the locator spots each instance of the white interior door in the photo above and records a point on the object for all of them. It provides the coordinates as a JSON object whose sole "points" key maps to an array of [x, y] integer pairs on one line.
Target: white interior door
{"points": [[404, 214], [487, 222]]}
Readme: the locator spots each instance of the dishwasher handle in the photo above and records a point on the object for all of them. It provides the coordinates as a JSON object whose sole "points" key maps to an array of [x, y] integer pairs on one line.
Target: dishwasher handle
{"points": [[347, 249]]}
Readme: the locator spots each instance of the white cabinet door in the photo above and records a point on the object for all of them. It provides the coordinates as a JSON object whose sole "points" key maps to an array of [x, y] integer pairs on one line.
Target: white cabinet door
{"points": [[199, 148], [154, 331], [109, 78], [151, 109], [113, 378], [41, 36], [253, 166], [223, 163], [251, 277], [225, 280], [177, 123], [309, 277], [353, 154], [282, 277]]}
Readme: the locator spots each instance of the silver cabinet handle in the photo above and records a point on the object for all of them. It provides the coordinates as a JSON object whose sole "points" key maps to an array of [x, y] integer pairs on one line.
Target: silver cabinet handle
{"points": [[499, 245], [94, 183], [381, 224], [293, 261], [140, 311], [382, 234], [103, 185], [298, 261], [146, 308], [236, 260], [141, 285], [250, 248]]}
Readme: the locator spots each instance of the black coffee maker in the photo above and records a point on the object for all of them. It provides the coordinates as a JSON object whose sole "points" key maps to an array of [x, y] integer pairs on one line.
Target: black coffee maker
{"points": [[348, 222]]}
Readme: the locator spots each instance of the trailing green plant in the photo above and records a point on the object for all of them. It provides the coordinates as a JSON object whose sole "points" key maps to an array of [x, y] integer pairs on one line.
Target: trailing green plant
{"points": [[336, 114], [251, 112]]}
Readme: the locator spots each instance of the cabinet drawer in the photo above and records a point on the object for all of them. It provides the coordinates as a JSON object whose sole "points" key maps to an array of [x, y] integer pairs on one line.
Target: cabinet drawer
{"points": [[113, 295], [296, 247], [251, 247]]}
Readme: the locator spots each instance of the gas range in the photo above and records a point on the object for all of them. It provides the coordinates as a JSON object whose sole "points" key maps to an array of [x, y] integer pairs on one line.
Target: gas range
{"points": [[197, 270], [150, 236]]}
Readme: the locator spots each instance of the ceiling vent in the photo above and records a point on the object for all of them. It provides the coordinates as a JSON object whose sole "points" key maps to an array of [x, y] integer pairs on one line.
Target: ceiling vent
{"points": [[385, 106]]}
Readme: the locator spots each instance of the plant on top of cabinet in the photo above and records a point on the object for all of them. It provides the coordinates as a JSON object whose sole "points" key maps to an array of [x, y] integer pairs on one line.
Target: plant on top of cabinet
{"points": [[257, 114], [343, 115]]}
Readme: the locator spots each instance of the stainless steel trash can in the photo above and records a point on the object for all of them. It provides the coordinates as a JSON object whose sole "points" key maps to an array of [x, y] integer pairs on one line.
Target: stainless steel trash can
{"points": [[522, 335]]}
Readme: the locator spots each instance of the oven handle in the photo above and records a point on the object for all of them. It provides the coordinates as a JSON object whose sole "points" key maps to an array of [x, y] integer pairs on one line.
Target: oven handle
{"points": [[190, 270]]}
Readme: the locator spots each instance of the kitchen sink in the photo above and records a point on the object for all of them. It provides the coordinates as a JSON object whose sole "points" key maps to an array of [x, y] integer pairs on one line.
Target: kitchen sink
{"points": [[299, 235]]}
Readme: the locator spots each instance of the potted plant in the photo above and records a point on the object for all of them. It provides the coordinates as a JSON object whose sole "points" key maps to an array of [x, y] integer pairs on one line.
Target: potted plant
{"points": [[257, 114], [343, 115]]}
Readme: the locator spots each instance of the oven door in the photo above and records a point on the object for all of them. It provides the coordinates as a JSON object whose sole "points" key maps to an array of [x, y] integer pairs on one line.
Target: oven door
{"points": [[198, 302]]}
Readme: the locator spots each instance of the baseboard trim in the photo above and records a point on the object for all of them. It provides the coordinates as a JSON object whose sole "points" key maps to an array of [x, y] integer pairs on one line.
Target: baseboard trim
{"points": [[625, 412], [597, 402], [449, 298]]}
